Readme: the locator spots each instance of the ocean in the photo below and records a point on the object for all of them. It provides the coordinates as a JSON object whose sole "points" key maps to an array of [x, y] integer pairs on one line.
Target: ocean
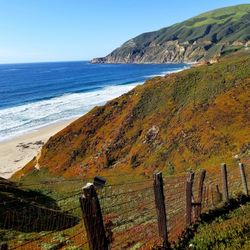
{"points": [[33, 95]]}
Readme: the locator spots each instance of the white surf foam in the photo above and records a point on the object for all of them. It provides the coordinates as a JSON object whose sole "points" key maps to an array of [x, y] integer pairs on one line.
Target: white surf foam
{"points": [[28, 117], [168, 72], [22, 119]]}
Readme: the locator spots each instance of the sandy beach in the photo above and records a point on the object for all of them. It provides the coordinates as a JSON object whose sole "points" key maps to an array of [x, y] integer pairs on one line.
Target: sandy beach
{"points": [[18, 151]]}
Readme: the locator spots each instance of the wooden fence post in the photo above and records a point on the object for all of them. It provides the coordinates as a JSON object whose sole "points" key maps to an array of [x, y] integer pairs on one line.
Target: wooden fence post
{"points": [[92, 216], [225, 195], [243, 178], [161, 209], [189, 187], [200, 192]]}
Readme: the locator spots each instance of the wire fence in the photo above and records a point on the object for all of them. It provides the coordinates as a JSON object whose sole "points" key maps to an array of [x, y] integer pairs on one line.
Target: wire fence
{"points": [[130, 211], [175, 198], [51, 219]]}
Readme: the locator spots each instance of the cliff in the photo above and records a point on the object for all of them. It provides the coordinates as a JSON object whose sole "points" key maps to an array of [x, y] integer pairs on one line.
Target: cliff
{"points": [[203, 37], [195, 118]]}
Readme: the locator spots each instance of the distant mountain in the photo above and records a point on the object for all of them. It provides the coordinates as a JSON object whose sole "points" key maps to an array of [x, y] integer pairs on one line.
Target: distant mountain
{"points": [[195, 118], [203, 37]]}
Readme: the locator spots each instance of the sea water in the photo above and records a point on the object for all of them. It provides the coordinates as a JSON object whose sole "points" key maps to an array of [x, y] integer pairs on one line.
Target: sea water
{"points": [[37, 94]]}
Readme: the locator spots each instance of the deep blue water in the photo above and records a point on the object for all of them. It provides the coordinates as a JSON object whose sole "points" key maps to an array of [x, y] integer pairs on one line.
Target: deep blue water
{"points": [[37, 94]]}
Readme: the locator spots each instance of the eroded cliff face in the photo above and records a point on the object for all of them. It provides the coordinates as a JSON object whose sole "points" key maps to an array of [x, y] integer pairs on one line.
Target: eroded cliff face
{"points": [[169, 52], [201, 38]]}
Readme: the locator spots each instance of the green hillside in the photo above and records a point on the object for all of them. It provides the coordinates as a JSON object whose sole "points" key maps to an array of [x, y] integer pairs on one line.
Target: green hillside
{"points": [[203, 37], [229, 231], [195, 118]]}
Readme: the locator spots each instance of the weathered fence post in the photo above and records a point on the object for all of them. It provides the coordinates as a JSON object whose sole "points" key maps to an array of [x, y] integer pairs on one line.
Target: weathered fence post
{"points": [[200, 192], [189, 187], [243, 178], [3, 246], [161, 209], [225, 195], [92, 216]]}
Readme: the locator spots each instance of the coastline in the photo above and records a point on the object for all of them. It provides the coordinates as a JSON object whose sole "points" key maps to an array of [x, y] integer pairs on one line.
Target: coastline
{"points": [[18, 151]]}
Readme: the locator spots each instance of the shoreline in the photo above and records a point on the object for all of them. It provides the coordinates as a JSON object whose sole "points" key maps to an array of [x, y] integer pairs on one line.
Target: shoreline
{"points": [[16, 152]]}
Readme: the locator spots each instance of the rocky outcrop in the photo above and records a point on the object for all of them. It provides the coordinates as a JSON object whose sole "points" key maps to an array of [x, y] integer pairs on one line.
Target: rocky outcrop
{"points": [[169, 52], [201, 38]]}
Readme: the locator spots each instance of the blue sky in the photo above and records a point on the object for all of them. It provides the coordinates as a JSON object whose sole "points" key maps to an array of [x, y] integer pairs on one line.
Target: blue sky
{"points": [[62, 30]]}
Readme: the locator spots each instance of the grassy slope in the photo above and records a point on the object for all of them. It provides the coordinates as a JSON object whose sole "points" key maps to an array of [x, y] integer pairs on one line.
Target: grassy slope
{"points": [[27, 212], [214, 33], [229, 231], [189, 30], [233, 13], [198, 117]]}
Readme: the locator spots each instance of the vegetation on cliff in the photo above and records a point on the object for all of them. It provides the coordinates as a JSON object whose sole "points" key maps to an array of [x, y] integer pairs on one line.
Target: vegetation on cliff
{"points": [[203, 37], [229, 231], [196, 118]]}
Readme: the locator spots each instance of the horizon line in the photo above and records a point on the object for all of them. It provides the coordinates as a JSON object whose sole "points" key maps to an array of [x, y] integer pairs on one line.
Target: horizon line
{"points": [[38, 62]]}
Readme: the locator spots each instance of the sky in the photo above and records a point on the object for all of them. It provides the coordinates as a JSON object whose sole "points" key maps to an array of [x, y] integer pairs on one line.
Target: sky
{"points": [[68, 30]]}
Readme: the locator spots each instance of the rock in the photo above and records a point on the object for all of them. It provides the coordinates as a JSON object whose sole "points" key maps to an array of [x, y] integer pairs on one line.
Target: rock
{"points": [[39, 143], [151, 134]]}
